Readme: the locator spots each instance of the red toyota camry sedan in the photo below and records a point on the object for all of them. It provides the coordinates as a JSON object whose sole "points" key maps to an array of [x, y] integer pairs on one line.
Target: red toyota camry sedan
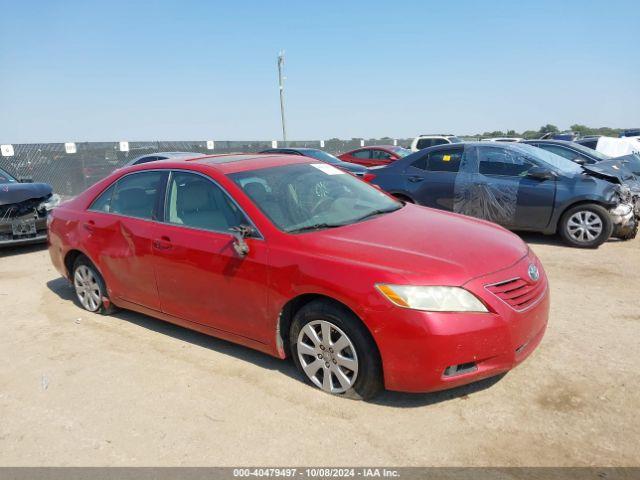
{"points": [[299, 259]]}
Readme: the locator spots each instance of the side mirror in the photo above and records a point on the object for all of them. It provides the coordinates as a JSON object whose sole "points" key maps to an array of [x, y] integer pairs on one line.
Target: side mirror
{"points": [[579, 160], [25, 179], [540, 173], [239, 234]]}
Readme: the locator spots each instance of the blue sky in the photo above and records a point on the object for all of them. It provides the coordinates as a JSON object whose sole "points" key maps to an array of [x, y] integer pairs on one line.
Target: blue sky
{"points": [[177, 70]]}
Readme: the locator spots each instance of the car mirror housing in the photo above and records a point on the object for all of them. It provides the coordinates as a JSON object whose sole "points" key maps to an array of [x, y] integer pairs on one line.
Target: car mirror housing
{"points": [[541, 173], [25, 179], [239, 234]]}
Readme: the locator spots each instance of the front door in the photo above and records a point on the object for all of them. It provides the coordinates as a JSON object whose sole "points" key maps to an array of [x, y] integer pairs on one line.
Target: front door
{"points": [[493, 184], [201, 278]]}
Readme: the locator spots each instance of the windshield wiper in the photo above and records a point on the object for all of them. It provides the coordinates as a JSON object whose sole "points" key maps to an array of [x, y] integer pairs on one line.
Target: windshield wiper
{"points": [[374, 213], [316, 226]]}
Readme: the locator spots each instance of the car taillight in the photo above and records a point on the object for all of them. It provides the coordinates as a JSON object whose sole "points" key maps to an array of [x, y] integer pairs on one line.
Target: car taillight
{"points": [[368, 177]]}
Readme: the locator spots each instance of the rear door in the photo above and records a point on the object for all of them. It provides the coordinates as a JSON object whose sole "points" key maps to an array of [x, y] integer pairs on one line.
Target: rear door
{"points": [[430, 180], [121, 225], [201, 278]]}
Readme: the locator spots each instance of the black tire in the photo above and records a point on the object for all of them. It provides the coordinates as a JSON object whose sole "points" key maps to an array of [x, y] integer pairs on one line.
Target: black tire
{"points": [[587, 208], [368, 381], [83, 264]]}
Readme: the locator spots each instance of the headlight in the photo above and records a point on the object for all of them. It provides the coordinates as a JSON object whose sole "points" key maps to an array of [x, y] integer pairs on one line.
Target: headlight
{"points": [[432, 299], [51, 203]]}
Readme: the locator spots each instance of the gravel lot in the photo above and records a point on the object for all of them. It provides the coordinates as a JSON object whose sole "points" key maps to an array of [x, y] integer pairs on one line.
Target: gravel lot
{"points": [[84, 389]]}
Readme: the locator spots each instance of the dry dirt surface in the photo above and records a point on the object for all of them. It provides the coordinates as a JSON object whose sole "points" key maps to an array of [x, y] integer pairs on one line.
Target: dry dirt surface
{"points": [[125, 390]]}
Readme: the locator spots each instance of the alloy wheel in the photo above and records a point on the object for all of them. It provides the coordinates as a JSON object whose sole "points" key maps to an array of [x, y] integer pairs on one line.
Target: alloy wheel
{"points": [[87, 288], [327, 356], [584, 226]]}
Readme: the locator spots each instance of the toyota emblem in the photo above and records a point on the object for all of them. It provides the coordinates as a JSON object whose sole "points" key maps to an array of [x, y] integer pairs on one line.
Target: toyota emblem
{"points": [[534, 274]]}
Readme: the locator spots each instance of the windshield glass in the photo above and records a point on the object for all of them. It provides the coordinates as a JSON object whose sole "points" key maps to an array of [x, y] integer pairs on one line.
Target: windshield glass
{"points": [[558, 163], [320, 155], [310, 196], [6, 178], [403, 152], [454, 140]]}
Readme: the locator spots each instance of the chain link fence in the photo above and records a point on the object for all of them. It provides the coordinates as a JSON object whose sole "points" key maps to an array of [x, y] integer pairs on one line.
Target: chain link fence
{"points": [[71, 168]]}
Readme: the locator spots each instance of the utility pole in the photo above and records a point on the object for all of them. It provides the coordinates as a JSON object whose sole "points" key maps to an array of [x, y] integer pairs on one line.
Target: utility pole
{"points": [[281, 79]]}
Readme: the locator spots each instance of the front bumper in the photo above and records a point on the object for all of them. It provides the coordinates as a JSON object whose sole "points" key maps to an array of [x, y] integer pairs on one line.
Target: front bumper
{"points": [[419, 349], [7, 238]]}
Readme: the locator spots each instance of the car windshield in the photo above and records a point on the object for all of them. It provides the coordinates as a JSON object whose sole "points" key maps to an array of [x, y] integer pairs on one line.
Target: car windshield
{"points": [[312, 196], [454, 140], [320, 155], [558, 163], [6, 178], [403, 152]]}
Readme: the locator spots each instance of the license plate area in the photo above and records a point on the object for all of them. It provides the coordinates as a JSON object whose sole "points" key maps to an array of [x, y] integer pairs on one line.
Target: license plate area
{"points": [[23, 227]]}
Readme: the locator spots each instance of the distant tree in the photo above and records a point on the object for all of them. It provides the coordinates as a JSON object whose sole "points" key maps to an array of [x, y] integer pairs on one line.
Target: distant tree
{"points": [[512, 133], [530, 134], [548, 128], [581, 129]]}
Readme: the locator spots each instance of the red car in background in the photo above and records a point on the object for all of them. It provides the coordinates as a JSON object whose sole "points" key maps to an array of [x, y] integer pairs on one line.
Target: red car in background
{"points": [[296, 258], [375, 155]]}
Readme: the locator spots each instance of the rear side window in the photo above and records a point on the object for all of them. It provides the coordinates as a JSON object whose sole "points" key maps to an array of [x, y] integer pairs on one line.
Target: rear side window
{"points": [[362, 154], [502, 161], [444, 160], [424, 143], [381, 155], [136, 195]]}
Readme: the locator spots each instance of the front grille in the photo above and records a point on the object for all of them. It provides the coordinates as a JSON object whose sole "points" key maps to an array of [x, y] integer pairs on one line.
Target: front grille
{"points": [[518, 293]]}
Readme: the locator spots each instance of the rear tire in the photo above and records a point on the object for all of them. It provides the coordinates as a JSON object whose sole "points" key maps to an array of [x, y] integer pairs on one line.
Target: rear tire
{"points": [[586, 226], [335, 352], [90, 288]]}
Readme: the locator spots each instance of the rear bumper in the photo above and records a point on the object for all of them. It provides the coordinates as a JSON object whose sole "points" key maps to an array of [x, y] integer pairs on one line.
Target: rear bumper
{"points": [[419, 349]]}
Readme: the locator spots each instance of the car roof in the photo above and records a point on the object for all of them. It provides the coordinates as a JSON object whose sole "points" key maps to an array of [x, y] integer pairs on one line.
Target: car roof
{"points": [[388, 147], [233, 163], [437, 135], [550, 141]]}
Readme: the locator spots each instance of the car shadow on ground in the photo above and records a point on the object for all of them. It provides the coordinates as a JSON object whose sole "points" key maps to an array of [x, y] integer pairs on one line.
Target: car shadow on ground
{"points": [[10, 251], [63, 289]]}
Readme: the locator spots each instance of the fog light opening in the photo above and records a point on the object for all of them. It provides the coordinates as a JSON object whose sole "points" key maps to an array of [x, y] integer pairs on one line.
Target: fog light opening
{"points": [[460, 369]]}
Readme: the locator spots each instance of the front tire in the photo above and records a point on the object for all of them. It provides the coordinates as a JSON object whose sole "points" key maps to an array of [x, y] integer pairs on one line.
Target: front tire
{"points": [[334, 351], [586, 226], [91, 291]]}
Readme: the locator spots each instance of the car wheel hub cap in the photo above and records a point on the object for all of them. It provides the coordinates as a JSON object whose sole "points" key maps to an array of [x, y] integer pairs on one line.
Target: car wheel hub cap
{"points": [[584, 226], [328, 357], [87, 288]]}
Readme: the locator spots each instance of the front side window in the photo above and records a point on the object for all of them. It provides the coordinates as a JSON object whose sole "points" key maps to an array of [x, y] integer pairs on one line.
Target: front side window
{"points": [[197, 202], [362, 154], [502, 161], [445, 160], [312, 196], [565, 152], [103, 202], [381, 155], [136, 195]]}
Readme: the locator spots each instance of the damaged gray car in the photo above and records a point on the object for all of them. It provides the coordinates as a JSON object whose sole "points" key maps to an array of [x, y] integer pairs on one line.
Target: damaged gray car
{"points": [[24, 207], [520, 187]]}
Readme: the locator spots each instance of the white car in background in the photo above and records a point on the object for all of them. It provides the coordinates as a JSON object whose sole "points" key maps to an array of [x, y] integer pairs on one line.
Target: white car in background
{"points": [[426, 141], [612, 146]]}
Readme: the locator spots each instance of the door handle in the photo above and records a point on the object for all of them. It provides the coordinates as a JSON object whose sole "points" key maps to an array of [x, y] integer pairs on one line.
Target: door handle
{"points": [[416, 179], [89, 226], [162, 243]]}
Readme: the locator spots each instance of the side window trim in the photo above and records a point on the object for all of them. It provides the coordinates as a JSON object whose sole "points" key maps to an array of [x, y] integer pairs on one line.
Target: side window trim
{"points": [[258, 234]]}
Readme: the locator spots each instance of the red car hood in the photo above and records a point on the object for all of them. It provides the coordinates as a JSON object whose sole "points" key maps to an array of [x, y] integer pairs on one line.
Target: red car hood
{"points": [[419, 244]]}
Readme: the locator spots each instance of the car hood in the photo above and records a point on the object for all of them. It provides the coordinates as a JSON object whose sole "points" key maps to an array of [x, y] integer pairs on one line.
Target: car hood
{"points": [[423, 246], [19, 192], [620, 168]]}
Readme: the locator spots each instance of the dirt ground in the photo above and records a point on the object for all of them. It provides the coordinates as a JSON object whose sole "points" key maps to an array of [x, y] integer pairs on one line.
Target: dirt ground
{"points": [[84, 389]]}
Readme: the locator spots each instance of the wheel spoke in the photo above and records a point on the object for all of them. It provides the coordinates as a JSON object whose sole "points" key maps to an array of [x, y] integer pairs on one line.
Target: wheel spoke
{"points": [[312, 368], [326, 333], [341, 344], [311, 333], [305, 349], [327, 384], [345, 382], [349, 363]]}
